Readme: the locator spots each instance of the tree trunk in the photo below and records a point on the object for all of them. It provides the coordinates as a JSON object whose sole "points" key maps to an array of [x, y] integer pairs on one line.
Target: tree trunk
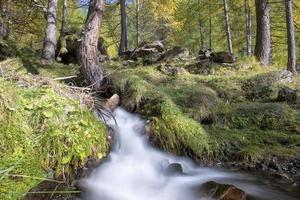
{"points": [[62, 40], [4, 29], [228, 29], [138, 37], [64, 18], [201, 26], [50, 41], [248, 28], [291, 66], [123, 40], [90, 66], [263, 47], [210, 27]]}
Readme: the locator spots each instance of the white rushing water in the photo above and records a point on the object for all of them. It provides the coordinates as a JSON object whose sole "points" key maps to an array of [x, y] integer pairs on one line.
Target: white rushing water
{"points": [[136, 171]]}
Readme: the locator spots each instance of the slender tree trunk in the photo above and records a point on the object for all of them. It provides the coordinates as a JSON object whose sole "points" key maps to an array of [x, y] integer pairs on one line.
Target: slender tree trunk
{"points": [[201, 26], [263, 47], [62, 40], [50, 40], [248, 28], [138, 37], [64, 18], [123, 40], [4, 29], [90, 66], [292, 62], [210, 26], [228, 29]]}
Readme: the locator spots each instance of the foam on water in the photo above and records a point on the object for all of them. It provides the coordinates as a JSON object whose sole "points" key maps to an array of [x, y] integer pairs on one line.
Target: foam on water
{"points": [[137, 171]]}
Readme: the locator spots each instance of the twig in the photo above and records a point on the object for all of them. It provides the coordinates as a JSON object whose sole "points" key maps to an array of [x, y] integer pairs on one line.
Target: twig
{"points": [[65, 78]]}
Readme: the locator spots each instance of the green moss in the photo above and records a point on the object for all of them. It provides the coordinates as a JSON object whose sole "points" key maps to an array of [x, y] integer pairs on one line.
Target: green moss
{"points": [[239, 101], [41, 131], [174, 132], [272, 116]]}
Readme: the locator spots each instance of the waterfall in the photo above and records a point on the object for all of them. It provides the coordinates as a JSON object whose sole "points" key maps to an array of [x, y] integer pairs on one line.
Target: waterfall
{"points": [[135, 170]]}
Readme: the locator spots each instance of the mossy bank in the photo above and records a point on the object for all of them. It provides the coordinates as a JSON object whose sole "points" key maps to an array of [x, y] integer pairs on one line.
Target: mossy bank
{"points": [[46, 131], [231, 114]]}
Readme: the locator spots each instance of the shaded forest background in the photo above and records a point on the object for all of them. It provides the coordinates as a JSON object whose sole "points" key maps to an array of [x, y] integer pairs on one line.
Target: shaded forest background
{"points": [[177, 23]]}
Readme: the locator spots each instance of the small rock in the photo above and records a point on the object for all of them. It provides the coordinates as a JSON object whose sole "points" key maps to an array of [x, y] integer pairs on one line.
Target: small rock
{"points": [[285, 76], [170, 70], [113, 102], [174, 169], [223, 57], [158, 45], [287, 94], [223, 191]]}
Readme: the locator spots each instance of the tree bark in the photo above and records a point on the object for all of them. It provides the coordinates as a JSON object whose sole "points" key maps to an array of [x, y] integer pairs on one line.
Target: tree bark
{"points": [[292, 62], [4, 29], [123, 40], [248, 28], [210, 26], [64, 18], [138, 37], [263, 47], [228, 29], [50, 40], [62, 40], [201, 26], [90, 66]]}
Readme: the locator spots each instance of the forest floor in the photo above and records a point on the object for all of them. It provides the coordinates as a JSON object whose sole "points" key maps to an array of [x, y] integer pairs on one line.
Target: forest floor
{"points": [[229, 116]]}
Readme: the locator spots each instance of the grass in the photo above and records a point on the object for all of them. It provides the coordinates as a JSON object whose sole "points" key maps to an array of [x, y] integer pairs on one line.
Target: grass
{"points": [[228, 114], [43, 131]]}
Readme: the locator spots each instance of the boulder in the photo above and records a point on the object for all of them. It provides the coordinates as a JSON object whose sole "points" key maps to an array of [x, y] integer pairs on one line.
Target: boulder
{"points": [[285, 76], [204, 54], [219, 191], [287, 94], [113, 102], [223, 57], [174, 169], [158, 45], [176, 52], [170, 70]]}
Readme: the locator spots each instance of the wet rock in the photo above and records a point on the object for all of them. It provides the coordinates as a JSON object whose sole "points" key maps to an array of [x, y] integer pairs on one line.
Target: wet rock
{"points": [[174, 169], [113, 102], [170, 70], [287, 94], [223, 57], [222, 191], [176, 52]]}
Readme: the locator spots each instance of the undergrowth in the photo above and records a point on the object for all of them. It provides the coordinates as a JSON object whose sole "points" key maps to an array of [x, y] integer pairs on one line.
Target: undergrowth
{"points": [[229, 114], [43, 134]]}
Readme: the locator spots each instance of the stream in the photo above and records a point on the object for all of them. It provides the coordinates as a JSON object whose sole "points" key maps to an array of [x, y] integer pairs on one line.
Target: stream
{"points": [[135, 170]]}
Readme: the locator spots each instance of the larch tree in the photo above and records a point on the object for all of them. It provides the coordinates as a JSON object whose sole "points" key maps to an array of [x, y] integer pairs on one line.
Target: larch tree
{"points": [[292, 61], [263, 47], [62, 40], [248, 28], [4, 21], [50, 41], [123, 39], [228, 28], [90, 66], [137, 26]]}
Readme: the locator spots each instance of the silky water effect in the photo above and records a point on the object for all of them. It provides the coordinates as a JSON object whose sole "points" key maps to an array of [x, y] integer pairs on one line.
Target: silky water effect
{"points": [[136, 171]]}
